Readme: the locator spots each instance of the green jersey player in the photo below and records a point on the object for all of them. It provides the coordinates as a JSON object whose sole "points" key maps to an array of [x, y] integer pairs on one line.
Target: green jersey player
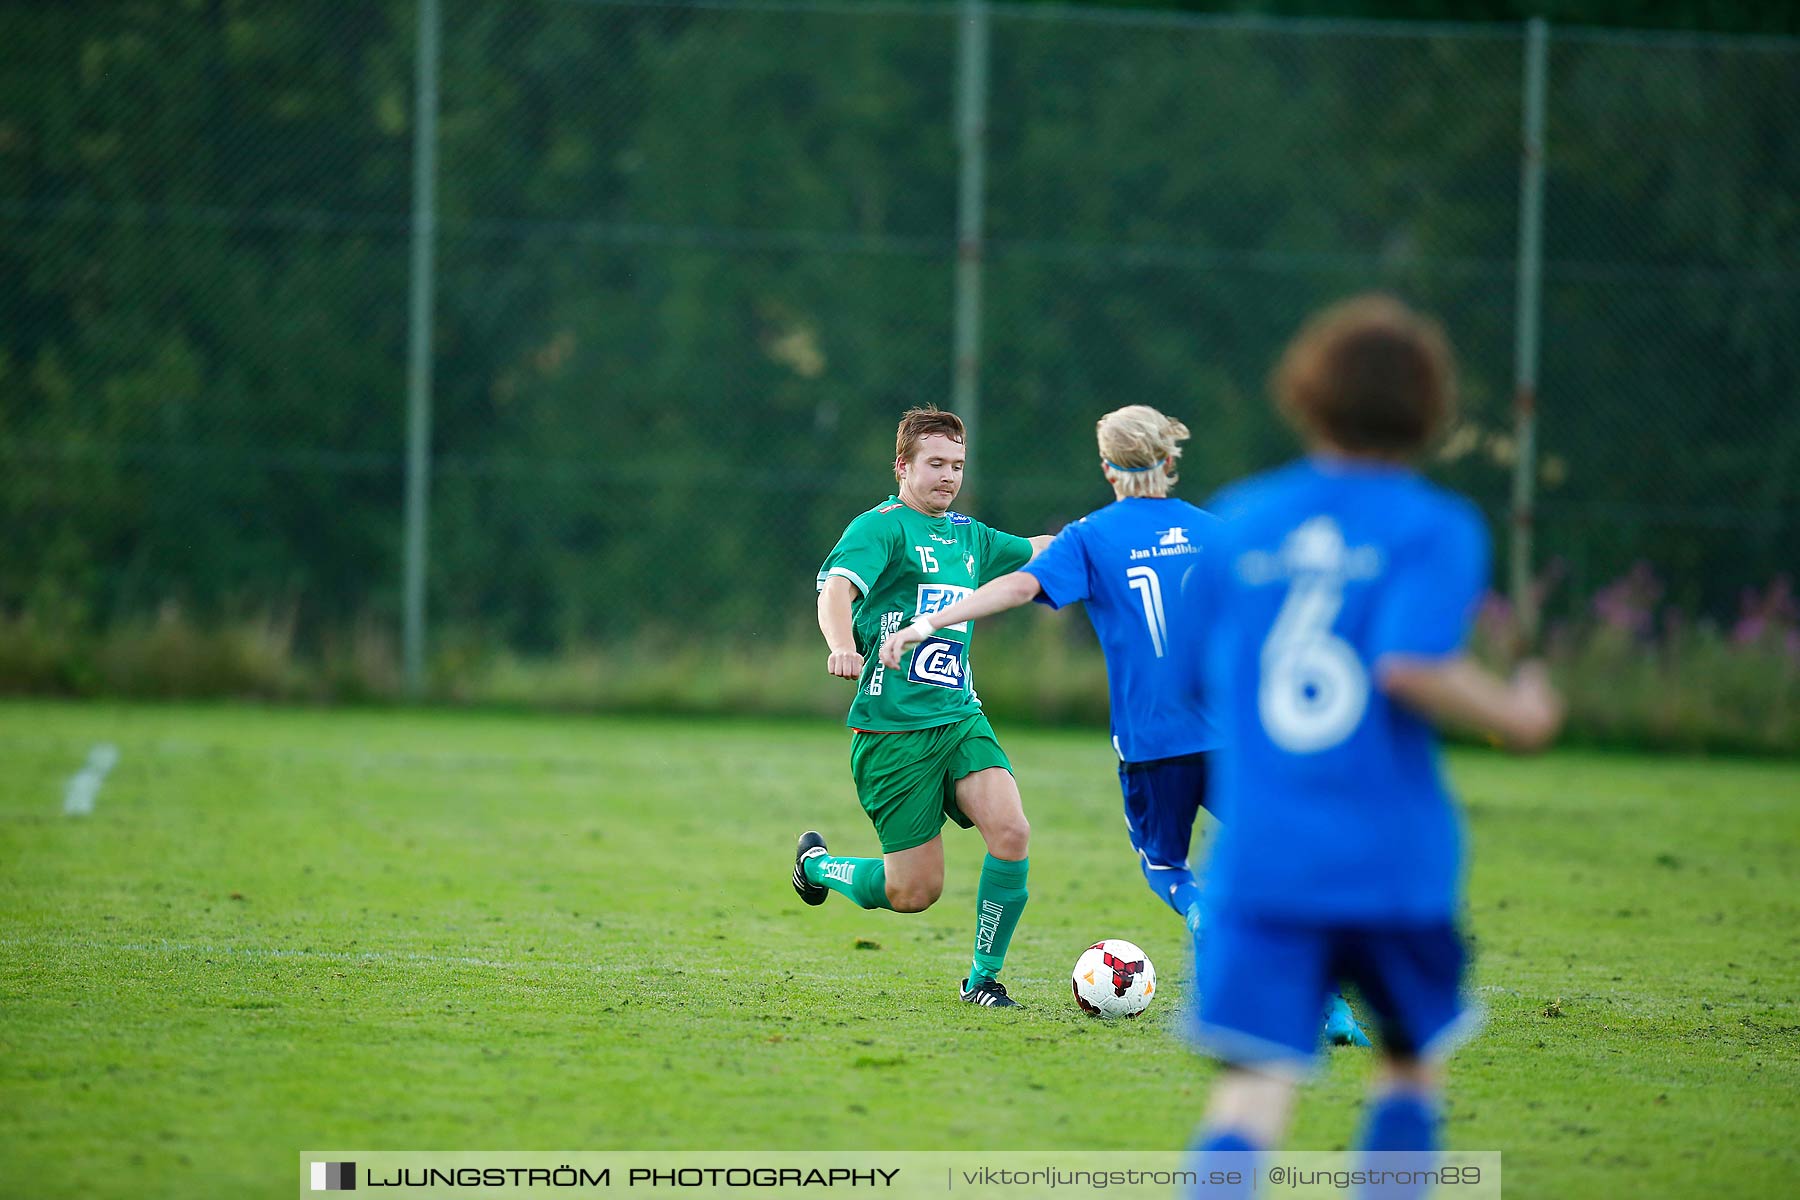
{"points": [[921, 749]]}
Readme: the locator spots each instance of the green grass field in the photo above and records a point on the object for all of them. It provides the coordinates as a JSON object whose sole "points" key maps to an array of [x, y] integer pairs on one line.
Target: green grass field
{"points": [[286, 929]]}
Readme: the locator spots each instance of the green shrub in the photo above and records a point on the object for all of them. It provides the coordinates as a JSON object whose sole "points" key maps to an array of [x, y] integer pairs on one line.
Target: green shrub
{"points": [[1634, 675]]}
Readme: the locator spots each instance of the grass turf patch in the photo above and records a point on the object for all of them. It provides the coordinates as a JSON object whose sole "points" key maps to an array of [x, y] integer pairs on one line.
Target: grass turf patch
{"points": [[284, 929]]}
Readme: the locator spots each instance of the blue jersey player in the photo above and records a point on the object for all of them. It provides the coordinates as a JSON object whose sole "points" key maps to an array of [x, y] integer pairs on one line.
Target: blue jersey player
{"points": [[1338, 593], [1125, 562]]}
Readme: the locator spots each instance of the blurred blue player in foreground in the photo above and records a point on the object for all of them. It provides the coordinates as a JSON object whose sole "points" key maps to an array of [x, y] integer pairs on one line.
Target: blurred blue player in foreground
{"points": [[1337, 594], [1126, 562]]}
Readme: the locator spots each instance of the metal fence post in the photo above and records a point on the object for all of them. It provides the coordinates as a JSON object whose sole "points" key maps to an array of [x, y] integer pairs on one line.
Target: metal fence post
{"points": [[418, 383], [1528, 303], [971, 120]]}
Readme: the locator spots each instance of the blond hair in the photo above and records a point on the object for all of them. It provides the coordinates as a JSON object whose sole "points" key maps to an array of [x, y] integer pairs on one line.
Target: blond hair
{"points": [[1139, 447]]}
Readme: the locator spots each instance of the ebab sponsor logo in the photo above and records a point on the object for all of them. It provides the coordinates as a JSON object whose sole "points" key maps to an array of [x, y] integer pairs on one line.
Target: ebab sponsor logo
{"points": [[936, 597]]}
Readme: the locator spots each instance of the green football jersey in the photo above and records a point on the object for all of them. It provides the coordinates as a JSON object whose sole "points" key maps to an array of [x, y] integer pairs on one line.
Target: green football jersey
{"points": [[905, 563]]}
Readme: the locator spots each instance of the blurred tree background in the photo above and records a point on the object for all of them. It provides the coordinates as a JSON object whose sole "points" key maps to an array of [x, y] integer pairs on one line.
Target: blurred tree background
{"points": [[1708, 16], [694, 260]]}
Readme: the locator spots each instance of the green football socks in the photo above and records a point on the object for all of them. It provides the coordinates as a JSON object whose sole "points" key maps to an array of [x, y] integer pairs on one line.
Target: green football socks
{"points": [[998, 902], [863, 880]]}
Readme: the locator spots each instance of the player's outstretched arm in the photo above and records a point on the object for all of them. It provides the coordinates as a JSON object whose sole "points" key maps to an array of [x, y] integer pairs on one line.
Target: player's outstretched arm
{"points": [[1008, 591], [1525, 713], [835, 601]]}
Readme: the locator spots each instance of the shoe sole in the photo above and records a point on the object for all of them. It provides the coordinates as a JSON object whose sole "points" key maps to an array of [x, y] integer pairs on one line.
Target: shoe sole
{"points": [[813, 893]]}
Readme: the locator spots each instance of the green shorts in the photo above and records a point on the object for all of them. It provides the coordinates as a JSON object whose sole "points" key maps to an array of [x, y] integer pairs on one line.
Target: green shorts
{"points": [[906, 780]]}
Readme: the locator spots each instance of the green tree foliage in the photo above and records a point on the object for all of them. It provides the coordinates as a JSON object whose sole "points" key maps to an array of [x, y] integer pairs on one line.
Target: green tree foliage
{"points": [[693, 262], [202, 247], [1712, 16]]}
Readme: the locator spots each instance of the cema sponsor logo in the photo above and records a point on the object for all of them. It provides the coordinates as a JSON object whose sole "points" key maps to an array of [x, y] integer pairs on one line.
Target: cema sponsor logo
{"points": [[938, 662]]}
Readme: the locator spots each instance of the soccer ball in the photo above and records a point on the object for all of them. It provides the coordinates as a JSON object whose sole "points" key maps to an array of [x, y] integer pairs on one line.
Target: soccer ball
{"points": [[1114, 979]]}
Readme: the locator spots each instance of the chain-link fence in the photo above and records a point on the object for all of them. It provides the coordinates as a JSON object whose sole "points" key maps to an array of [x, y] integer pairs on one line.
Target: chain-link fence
{"points": [[693, 259]]}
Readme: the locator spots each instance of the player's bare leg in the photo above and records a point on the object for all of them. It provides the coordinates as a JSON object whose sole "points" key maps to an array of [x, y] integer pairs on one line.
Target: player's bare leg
{"points": [[1251, 1104], [905, 881], [990, 799], [1248, 1114], [915, 878]]}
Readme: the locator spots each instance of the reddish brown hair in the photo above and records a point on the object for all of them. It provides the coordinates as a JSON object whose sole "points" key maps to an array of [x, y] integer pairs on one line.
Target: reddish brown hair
{"points": [[1368, 375], [919, 423]]}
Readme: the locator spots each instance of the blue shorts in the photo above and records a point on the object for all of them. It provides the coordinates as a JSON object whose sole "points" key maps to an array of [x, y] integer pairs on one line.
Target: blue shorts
{"points": [[1264, 986], [1162, 798]]}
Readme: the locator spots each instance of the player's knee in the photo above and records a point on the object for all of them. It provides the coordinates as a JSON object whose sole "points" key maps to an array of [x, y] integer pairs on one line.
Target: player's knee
{"points": [[1010, 839], [1407, 1072], [915, 896], [1255, 1104]]}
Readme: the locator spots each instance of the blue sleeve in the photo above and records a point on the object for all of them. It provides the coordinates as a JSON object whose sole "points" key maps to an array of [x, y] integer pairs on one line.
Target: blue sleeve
{"points": [[1429, 600], [1210, 524], [1062, 568], [1225, 503], [1200, 582]]}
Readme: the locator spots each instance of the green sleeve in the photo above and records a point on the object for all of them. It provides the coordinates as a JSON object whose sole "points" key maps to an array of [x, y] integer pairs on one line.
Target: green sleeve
{"points": [[1003, 554], [863, 552]]}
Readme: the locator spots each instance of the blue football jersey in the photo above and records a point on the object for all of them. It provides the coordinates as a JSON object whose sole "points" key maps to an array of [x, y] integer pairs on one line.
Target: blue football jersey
{"points": [[1329, 796], [1126, 562]]}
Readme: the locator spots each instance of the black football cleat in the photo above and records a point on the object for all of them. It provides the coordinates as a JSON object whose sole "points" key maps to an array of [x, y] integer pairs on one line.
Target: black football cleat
{"points": [[990, 993], [810, 845]]}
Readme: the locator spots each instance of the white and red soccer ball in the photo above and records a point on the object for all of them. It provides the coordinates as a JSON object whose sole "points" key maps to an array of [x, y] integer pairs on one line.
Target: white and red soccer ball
{"points": [[1114, 979]]}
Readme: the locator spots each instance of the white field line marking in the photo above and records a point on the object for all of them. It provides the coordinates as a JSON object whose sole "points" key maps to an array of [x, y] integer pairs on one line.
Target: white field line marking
{"points": [[83, 787], [289, 755], [403, 957], [413, 957]]}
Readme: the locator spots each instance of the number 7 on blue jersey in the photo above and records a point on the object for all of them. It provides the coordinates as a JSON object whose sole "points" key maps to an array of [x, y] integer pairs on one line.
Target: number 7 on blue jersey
{"points": [[1144, 581]]}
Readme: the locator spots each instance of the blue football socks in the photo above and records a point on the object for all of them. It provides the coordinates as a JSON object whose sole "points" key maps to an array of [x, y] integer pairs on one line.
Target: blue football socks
{"points": [[1398, 1121], [1218, 1154], [1174, 886]]}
